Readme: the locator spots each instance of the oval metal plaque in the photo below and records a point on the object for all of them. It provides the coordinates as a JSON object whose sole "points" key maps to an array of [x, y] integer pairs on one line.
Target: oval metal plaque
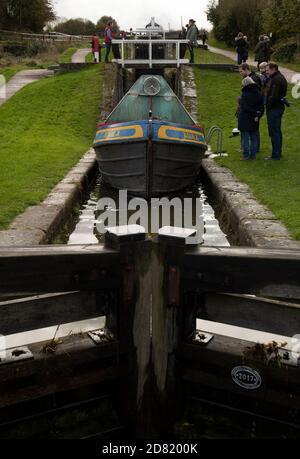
{"points": [[246, 377]]}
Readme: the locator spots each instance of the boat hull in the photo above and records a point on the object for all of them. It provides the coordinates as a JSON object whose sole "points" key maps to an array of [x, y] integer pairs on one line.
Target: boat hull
{"points": [[153, 162]]}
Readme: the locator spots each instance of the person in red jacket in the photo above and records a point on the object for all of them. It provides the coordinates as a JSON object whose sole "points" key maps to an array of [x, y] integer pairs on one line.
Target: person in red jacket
{"points": [[96, 48], [108, 37]]}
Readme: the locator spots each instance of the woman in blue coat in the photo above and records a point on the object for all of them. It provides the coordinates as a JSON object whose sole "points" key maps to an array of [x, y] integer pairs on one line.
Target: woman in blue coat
{"points": [[251, 110]]}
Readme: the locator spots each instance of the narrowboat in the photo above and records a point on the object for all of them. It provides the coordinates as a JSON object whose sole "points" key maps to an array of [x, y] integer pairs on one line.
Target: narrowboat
{"points": [[150, 145]]}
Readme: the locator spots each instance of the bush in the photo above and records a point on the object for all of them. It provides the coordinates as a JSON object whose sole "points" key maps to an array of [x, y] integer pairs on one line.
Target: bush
{"points": [[16, 49], [29, 49], [31, 64], [35, 48], [285, 52]]}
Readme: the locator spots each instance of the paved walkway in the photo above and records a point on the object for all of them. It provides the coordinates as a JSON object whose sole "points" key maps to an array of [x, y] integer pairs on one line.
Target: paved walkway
{"points": [[232, 55], [22, 79], [80, 55]]}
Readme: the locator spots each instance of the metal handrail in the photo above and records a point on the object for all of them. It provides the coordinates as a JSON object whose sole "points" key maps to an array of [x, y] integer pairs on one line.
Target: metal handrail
{"points": [[210, 134]]}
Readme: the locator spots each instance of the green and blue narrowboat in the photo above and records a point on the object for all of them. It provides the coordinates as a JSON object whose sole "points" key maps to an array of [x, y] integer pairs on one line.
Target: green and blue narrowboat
{"points": [[150, 145]]}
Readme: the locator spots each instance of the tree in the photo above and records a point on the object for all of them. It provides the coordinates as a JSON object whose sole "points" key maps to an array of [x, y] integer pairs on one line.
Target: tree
{"points": [[77, 26], [229, 17], [102, 23], [282, 18], [24, 15]]}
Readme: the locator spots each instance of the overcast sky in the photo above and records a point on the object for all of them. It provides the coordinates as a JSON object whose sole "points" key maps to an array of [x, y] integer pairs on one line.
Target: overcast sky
{"points": [[136, 13]]}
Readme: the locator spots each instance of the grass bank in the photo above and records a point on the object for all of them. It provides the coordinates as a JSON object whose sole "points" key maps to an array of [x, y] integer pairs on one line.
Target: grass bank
{"points": [[66, 57], [89, 58], [207, 57], [275, 184], [9, 72], [44, 130], [56, 54], [212, 41]]}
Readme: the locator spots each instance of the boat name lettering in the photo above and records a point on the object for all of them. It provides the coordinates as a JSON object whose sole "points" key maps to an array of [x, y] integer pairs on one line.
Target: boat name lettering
{"points": [[190, 136], [112, 134]]}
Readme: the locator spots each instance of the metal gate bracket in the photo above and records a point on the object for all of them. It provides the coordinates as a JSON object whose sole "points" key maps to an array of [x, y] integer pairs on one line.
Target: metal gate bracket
{"points": [[290, 358], [15, 355], [203, 338], [102, 336]]}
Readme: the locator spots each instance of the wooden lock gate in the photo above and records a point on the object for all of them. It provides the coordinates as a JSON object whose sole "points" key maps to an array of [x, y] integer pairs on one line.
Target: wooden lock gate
{"points": [[159, 366]]}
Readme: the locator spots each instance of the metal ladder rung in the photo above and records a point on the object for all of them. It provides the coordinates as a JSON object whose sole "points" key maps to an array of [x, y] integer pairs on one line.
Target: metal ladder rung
{"points": [[219, 132]]}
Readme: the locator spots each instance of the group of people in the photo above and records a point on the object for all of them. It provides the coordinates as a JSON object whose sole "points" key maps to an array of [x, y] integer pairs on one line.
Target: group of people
{"points": [[263, 49], [261, 92], [109, 35]]}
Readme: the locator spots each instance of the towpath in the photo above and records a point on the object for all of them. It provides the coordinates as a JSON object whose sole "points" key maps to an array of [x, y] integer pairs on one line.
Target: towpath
{"points": [[232, 55], [22, 79], [80, 55]]}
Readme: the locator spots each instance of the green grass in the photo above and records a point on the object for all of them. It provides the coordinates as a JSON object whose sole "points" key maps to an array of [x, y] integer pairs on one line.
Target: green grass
{"points": [[89, 58], [290, 65], [206, 57], [66, 57], [275, 184], [9, 72], [44, 130], [212, 41]]}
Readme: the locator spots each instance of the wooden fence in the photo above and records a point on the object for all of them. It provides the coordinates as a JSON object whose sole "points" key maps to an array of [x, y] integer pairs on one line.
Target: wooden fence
{"points": [[7, 35]]}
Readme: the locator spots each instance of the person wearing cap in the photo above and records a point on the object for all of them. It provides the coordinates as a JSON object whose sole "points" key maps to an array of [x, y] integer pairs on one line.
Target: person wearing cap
{"points": [[192, 36], [251, 110]]}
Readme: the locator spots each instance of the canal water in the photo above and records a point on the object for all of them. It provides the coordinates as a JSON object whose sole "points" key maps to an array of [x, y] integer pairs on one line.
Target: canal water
{"points": [[85, 228]]}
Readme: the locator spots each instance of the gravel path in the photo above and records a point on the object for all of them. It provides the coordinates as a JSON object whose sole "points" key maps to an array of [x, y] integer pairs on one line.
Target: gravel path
{"points": [[80, 55]]}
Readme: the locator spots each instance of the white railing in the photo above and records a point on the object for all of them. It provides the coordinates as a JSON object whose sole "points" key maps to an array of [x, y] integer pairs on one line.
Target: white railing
{"points": [[171, 52]]}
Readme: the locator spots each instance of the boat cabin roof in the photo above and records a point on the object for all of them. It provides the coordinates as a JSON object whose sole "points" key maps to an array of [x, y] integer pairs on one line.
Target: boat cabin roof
{"points": [[164, 104]]}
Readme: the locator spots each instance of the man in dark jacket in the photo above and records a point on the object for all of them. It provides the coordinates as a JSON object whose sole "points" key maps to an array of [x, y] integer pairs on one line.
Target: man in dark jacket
{"points": [[251, 108], [268, 48], [204, 38], [275, 108], [260, 51]]}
